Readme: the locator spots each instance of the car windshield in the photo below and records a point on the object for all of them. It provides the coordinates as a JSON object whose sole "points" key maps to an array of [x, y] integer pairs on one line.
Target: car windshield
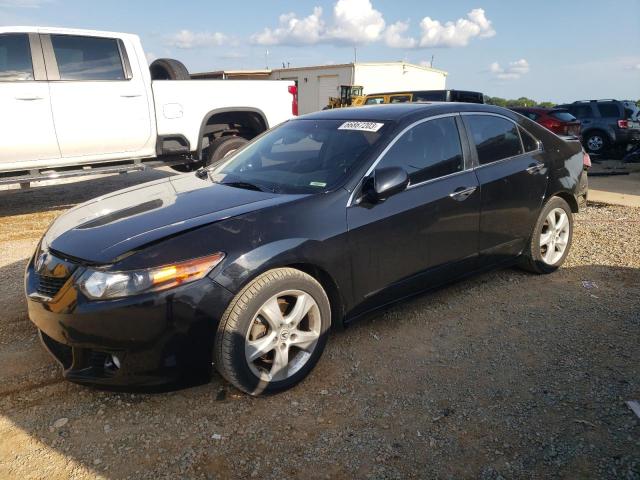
{"points": [[301, 156]]}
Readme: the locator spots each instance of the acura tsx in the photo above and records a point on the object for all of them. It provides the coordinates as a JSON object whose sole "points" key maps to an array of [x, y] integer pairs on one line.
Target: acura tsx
{"points": [[246, 264]]}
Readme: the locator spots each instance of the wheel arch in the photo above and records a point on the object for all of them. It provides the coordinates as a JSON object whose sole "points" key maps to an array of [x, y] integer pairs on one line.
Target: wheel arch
{"points": [[252, 118], [330, 287], [567, 197], [607, 133]]}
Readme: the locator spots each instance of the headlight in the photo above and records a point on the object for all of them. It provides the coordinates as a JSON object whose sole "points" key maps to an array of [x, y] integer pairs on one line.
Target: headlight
{"points": [[103, 284]]}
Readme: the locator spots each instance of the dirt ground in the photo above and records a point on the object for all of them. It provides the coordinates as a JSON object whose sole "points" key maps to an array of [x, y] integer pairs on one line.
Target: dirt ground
{"points": [[504, 375]]}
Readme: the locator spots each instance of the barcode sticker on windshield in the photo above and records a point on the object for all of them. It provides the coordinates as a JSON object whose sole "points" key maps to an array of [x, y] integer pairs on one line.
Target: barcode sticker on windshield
{"points": [[362, 126]]}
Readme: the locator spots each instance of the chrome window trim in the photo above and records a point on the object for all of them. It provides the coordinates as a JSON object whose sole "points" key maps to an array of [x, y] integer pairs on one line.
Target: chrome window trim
{"points": [[393, 142], [431, 180]]}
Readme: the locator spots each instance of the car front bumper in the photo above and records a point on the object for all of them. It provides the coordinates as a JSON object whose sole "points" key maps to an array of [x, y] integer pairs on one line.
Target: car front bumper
{"points": [[143, 341]]}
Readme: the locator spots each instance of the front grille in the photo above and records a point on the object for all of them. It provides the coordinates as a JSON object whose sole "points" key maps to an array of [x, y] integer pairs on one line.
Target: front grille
{"points": [[49, 286]]}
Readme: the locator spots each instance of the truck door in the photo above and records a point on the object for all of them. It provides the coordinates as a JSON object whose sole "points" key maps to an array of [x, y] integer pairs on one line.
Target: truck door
{"points": [[26, 124], [99, 103]]}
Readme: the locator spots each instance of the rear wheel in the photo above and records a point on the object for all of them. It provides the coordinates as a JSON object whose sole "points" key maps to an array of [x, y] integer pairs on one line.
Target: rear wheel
{"points": [[223, 146], [273, 332], [551, 239]]}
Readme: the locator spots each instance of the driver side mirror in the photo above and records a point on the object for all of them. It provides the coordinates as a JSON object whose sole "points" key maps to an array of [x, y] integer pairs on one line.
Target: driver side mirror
{"points": [[383, 183]]}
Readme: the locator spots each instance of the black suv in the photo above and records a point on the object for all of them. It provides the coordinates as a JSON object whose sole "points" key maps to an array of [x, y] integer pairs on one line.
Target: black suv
{"points": [[606, 124]]}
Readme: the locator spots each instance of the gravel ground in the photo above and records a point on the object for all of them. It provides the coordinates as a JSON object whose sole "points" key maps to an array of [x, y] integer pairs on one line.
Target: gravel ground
{"points": [[504, 375]]}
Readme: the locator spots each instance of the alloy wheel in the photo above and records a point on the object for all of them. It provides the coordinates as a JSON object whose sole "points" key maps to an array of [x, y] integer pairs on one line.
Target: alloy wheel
{"points": [[554, 236], [283, 335], [595, 143]]}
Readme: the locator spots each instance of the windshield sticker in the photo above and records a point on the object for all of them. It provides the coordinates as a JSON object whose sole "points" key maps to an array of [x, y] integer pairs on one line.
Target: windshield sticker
{"points": [[362, 126], [318, 184]]}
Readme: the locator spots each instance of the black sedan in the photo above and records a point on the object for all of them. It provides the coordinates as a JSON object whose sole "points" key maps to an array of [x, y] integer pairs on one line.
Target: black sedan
{"points": [[247, 264]]}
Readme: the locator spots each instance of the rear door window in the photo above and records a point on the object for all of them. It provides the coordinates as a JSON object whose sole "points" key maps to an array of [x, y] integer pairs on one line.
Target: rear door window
{"points": [[495, 138], [87, 58], [429, 150], [608, 110], [399, 98], [530, 144], [374, 101], [581, 111], [15, 58]]}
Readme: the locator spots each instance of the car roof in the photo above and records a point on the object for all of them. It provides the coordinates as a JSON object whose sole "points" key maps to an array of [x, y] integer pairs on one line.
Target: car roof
{"points": [[400, 111]]}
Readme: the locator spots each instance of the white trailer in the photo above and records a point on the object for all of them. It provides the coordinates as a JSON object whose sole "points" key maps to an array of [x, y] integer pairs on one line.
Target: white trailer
{"points": [[317, 84]]}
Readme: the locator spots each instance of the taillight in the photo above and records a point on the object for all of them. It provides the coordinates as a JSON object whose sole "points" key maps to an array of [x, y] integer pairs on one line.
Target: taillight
{"points": [[293, 90], [623, 123], [586, 160]]}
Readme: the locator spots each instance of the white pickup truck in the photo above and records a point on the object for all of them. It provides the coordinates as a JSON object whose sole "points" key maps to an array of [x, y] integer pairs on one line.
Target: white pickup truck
{"points": [[77, 101]]}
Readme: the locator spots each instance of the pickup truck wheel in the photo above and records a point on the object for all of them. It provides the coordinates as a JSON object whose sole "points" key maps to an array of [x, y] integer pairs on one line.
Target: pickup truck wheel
{"points": [[168, 69], [223, 146]]}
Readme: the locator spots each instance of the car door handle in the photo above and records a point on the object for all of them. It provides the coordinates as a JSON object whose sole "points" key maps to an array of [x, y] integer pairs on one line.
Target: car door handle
{"points": [[462, 193], [28, 99], [535, 168], [133, 95]]}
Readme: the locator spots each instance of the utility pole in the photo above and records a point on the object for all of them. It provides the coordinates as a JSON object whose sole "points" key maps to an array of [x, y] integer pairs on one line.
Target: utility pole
{"points": [[432, 57], [355, 54], [266, 58]]}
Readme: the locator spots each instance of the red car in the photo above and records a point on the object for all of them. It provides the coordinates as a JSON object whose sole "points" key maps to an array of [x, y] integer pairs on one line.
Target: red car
{"points": [[558, 120]]}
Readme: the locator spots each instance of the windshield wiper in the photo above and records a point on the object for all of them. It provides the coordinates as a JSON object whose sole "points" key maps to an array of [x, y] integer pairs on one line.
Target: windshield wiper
{"points": [[245, 185]]}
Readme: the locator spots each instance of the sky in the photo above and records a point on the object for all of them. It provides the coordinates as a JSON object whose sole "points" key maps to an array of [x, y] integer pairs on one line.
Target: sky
{"points": [[548, 50]]}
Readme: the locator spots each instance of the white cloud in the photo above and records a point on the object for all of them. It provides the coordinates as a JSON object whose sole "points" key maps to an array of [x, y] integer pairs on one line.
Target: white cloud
{"points": [[637, 66], [512, 72], [186, 39], [150, 57], [393, 36], [356, 21], [458, 33], [353, 22], [293, 30]]}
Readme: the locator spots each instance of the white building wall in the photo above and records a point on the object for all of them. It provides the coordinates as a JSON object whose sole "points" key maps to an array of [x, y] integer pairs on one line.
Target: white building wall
{"points": [[397, 76], [316, 83]]}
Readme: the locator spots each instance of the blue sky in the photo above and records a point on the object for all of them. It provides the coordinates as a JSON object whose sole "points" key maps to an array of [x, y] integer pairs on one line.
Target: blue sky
{"points": [[559, 50]]}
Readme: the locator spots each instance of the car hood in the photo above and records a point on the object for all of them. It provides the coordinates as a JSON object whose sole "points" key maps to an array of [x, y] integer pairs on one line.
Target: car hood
{"points": [[106, 228]]}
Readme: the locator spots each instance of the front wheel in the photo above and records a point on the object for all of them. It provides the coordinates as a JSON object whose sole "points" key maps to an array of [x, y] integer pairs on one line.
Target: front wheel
{"points": [[273, 332], [551, 239]]}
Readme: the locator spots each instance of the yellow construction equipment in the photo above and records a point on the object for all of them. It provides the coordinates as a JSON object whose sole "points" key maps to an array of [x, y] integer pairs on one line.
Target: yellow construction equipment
{"points": [[349, 95]]}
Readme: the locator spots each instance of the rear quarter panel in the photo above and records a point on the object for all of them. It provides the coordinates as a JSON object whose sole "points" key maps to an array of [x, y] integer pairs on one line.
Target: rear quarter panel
{"points": [[181, 106], [564, 161]]}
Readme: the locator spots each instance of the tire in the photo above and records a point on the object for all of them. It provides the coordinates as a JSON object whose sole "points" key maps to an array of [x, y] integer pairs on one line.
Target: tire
{"points": [[596, 142], [221, 147], [245, 331], [538, 259], [168, 69]]}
